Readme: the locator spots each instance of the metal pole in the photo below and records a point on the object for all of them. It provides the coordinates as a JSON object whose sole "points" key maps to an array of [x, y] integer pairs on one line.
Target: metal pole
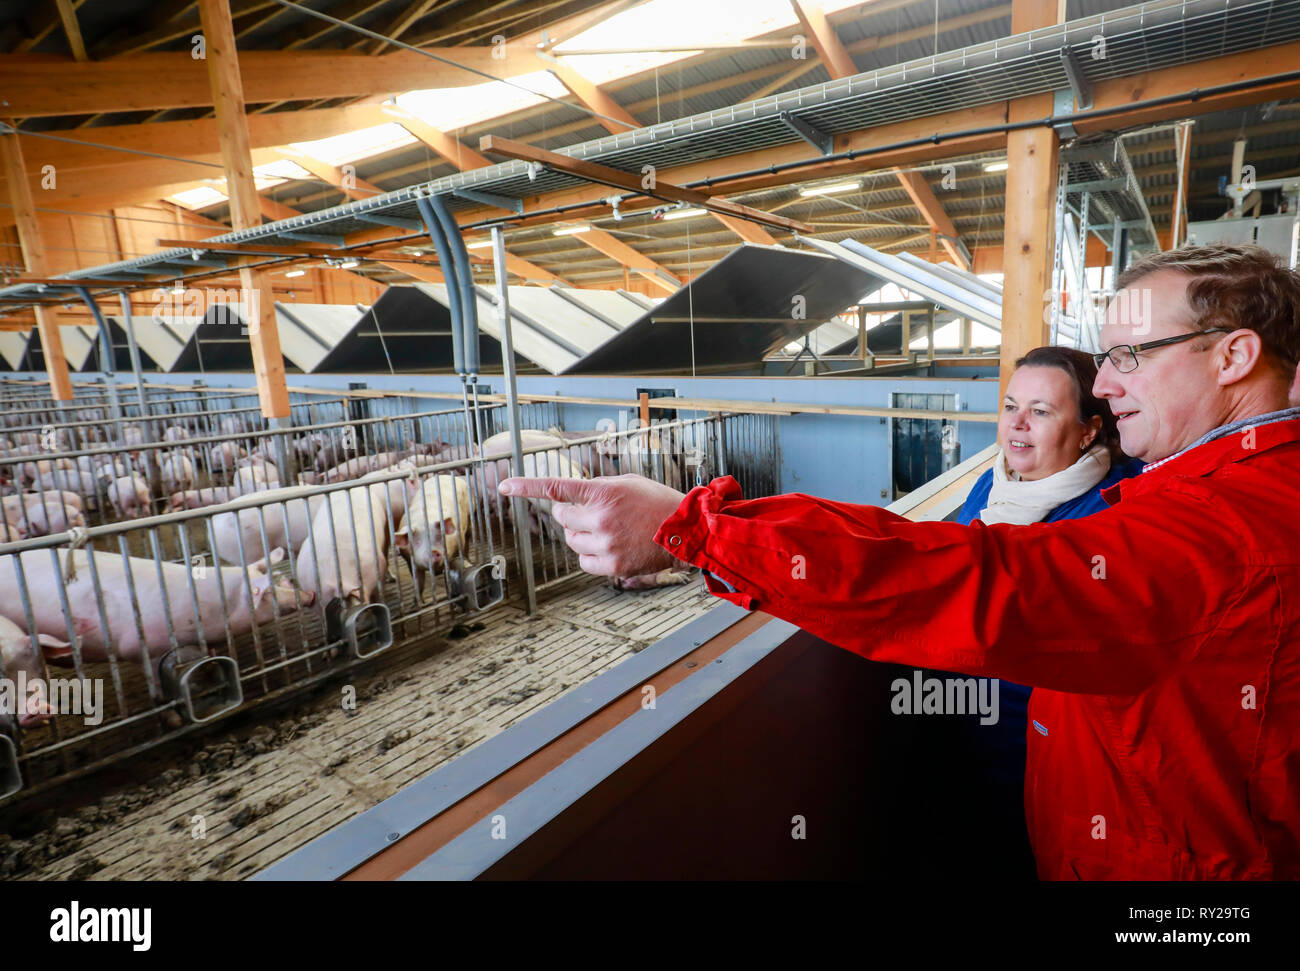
{"points": [[106, 343], [518, 507], [133, 350]]}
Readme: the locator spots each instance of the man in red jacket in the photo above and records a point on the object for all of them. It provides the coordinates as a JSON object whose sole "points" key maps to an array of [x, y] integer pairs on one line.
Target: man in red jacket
{"points": [[1162, 635]]}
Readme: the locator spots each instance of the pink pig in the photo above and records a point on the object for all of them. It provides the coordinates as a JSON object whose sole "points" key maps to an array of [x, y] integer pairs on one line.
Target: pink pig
{"points": [[44, 574]]}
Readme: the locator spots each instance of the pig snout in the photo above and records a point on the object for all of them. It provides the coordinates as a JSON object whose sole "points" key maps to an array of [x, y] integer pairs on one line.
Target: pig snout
{"points": [[18, 655]]}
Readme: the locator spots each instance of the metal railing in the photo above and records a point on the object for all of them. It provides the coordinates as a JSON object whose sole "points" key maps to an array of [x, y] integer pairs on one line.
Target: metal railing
{"points": [[185, 607]]}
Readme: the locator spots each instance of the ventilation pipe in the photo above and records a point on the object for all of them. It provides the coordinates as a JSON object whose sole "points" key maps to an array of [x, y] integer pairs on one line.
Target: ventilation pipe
{"points": [[464, 277], [443, 249]]}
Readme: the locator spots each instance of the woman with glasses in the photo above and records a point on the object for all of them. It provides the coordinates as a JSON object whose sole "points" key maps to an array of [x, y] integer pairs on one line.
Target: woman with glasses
{"points": [[1059, 448]]}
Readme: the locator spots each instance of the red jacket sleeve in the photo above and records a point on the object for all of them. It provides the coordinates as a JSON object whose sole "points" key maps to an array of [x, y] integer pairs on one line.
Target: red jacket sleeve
{"points": [[1103, 604]]}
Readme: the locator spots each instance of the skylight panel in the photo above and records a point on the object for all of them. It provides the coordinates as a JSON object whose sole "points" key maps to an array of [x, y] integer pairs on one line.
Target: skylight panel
{"points": [[452, 108], [280, 171], [199, 197], [659, 24], [363, 143]]}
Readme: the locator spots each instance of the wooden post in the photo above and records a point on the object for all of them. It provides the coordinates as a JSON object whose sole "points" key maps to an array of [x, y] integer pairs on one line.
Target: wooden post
{"points": [[906, 345], [1033, 156], [1183, 151], [29, 237], [245, 212]]}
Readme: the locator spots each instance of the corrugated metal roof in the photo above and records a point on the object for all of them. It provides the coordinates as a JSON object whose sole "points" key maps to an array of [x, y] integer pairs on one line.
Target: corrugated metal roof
{"points": [[162, 338], [409, 327], [967, 299], [13, 347], [750, 303], [981, 66], [309, 331]]}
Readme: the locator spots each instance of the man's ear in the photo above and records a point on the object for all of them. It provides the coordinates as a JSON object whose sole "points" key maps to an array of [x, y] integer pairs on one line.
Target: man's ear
{"points": [[1240, 354]]}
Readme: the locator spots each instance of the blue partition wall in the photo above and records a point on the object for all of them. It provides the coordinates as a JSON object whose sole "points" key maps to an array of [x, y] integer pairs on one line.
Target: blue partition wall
{"points": [[841, 457]]}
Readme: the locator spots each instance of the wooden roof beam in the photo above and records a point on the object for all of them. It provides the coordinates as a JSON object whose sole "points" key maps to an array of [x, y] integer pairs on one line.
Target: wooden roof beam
{"points": [[834, 57], [37, 87], [44, 20], [614, 117], [559, 32], [439, 142], [632, 182], [346, 182], [625, 255], [885, 41], [396, 27], [526, 271], [923, 197], [33, 247], [746, 230], [617, 119], [472, 17], [227, 93], [419, 271], [72, 29], [197, 138], [171, 22], [1028, 233], [313, 29]]}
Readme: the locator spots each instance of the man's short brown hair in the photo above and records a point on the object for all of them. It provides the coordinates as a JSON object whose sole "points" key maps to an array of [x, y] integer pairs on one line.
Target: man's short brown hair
{"points": [[1236, 286]]}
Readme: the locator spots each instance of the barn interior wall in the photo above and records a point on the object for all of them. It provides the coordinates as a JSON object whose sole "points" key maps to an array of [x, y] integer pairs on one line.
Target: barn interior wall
{"points": [[845, 458]]}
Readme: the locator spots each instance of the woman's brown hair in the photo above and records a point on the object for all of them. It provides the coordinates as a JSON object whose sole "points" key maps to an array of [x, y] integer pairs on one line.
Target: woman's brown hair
{"points": [[1082, 371]]}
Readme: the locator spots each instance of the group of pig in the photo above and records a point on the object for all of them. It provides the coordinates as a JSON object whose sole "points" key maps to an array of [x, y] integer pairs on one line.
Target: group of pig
{"points": [[46, 496], [42, 496], [344, 540], [343, 543], [57, 492]]}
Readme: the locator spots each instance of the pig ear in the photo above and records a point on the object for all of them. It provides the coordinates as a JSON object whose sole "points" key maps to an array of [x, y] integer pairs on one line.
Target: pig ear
{"points": [[448, 526], [261, 587], [277, 554], [53, 646]]}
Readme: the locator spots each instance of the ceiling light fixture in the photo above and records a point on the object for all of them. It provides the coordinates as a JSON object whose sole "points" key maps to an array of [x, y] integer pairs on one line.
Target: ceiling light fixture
{"points": [[683, 213], [826, 190], [571, 230], [296, 273], [996, 166]]}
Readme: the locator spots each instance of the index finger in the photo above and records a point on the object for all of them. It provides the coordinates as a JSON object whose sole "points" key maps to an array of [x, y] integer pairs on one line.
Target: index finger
{"points": [[561, 490]]}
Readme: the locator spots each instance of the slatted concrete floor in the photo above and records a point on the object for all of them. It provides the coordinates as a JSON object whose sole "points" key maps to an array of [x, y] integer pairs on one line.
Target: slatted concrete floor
{"points": [[231, 805]]}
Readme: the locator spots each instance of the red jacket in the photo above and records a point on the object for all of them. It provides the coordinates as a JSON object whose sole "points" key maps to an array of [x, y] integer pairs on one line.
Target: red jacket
{"points": [[1162, 636]]}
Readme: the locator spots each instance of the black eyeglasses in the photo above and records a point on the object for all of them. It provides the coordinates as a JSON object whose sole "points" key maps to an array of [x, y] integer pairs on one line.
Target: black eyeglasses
{"points": [[1124, 356]]}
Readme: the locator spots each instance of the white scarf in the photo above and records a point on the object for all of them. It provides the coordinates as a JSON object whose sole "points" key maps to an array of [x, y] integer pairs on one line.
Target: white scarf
{"points": [[1021, 503]]}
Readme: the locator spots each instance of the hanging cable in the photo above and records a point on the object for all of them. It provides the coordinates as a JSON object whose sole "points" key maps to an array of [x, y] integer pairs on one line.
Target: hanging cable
{"points": [[110, 148], [374, 312]]}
